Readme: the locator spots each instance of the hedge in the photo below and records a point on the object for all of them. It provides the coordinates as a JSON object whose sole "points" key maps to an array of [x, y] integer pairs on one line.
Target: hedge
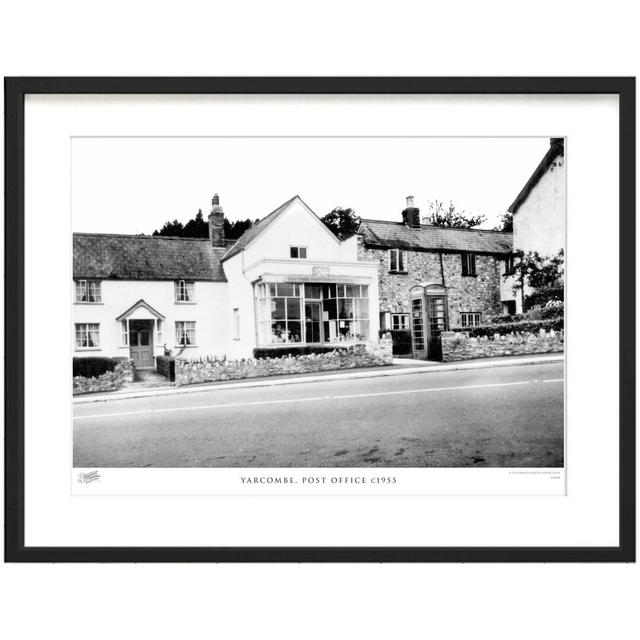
{"points": [[92, 367], [531, 326], [281, 352], [166, 366], [535, 313], [540, 297], [401, 339]]}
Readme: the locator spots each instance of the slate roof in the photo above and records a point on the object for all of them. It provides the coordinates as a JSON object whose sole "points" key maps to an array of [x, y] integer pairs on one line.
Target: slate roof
{"points": [[397, 235], [257, 229], [125, 257], [556, 148]]}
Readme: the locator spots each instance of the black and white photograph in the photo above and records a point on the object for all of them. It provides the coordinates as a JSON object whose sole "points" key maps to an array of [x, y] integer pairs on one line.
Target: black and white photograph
{"points": [[343, 315], [318, 302]]}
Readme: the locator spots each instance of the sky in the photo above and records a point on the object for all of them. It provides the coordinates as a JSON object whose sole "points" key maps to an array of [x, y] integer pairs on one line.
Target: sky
{"points": [[134, 185]]}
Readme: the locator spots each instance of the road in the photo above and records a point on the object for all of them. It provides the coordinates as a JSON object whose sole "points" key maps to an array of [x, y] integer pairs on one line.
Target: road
{"points": [[493, 417]]}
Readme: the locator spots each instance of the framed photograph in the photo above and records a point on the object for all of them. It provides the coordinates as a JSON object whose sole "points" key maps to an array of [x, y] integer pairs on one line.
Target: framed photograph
{"points": [[320, 319]]}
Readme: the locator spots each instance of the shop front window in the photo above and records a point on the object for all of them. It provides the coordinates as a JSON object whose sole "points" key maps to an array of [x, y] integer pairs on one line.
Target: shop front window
{"points": [[345, 312], [279, 306], [312, 313]]}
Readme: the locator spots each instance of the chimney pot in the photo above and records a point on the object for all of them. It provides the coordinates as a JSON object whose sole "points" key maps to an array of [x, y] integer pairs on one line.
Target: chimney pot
{"points": [[410, 202]]}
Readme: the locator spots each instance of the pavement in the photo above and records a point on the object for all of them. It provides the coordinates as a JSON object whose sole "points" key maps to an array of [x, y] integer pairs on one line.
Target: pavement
{"points": [[501, 416], [400, 366]]}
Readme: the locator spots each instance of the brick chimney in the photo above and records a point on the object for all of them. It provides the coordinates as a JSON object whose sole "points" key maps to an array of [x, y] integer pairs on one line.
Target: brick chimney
{"points": [[411, 214], [216, 223]]}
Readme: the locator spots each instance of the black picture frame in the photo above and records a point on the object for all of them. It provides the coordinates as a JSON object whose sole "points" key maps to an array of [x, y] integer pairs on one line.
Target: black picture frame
{"points": [[15, 91]]}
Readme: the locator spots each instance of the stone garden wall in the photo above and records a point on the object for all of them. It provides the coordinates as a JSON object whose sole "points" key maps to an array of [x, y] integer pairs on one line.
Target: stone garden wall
{"points": [[459, 346], [108, 381], [211, 369]]}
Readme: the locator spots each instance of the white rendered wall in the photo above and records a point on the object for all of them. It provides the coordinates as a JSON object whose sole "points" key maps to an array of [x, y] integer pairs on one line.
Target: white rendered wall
{"points": [[539, 223], [209, 311], [269, 254]]}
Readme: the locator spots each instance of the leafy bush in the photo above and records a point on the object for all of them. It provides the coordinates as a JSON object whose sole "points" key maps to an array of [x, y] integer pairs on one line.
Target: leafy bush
{"points": [[92, 367], [166, 366], [289, 350], [553, 309], [540, 297], [528, 326], [401, 339]]}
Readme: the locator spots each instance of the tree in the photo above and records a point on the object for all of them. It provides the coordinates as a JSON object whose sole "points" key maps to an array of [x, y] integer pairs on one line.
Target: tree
{"points": [[343, 223], [543, 274], [233, 230], [450, 216], [506, 223], [198, 227], [174, 228]]}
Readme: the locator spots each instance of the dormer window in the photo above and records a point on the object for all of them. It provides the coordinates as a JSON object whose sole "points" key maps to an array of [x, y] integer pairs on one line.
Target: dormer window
{"points": [[184, 291], [397, 261], [88, 291], [298, 253]]}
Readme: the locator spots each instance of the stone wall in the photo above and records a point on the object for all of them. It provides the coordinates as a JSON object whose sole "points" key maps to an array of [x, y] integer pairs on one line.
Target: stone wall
{"points": [[459, 346], [480, 293], [108, 381], [210, 370]]}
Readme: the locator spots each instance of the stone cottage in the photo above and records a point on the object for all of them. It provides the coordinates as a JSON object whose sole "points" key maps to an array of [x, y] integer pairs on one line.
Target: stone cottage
{"points": [[431, 278]]}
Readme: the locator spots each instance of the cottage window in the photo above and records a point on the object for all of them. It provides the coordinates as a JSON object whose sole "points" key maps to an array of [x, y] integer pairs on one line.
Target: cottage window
{"points": [[236, 324], [185, 333], [299, 253], [468, 264], [509, 266], [399, 321], [87, 336], [397, 261], [470, 319], [88, 291], [184, 291]]}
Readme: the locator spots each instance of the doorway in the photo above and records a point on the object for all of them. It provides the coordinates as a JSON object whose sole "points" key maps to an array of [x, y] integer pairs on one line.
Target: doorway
{"points": [[141, 343], [437, 324], [312, 324]]}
